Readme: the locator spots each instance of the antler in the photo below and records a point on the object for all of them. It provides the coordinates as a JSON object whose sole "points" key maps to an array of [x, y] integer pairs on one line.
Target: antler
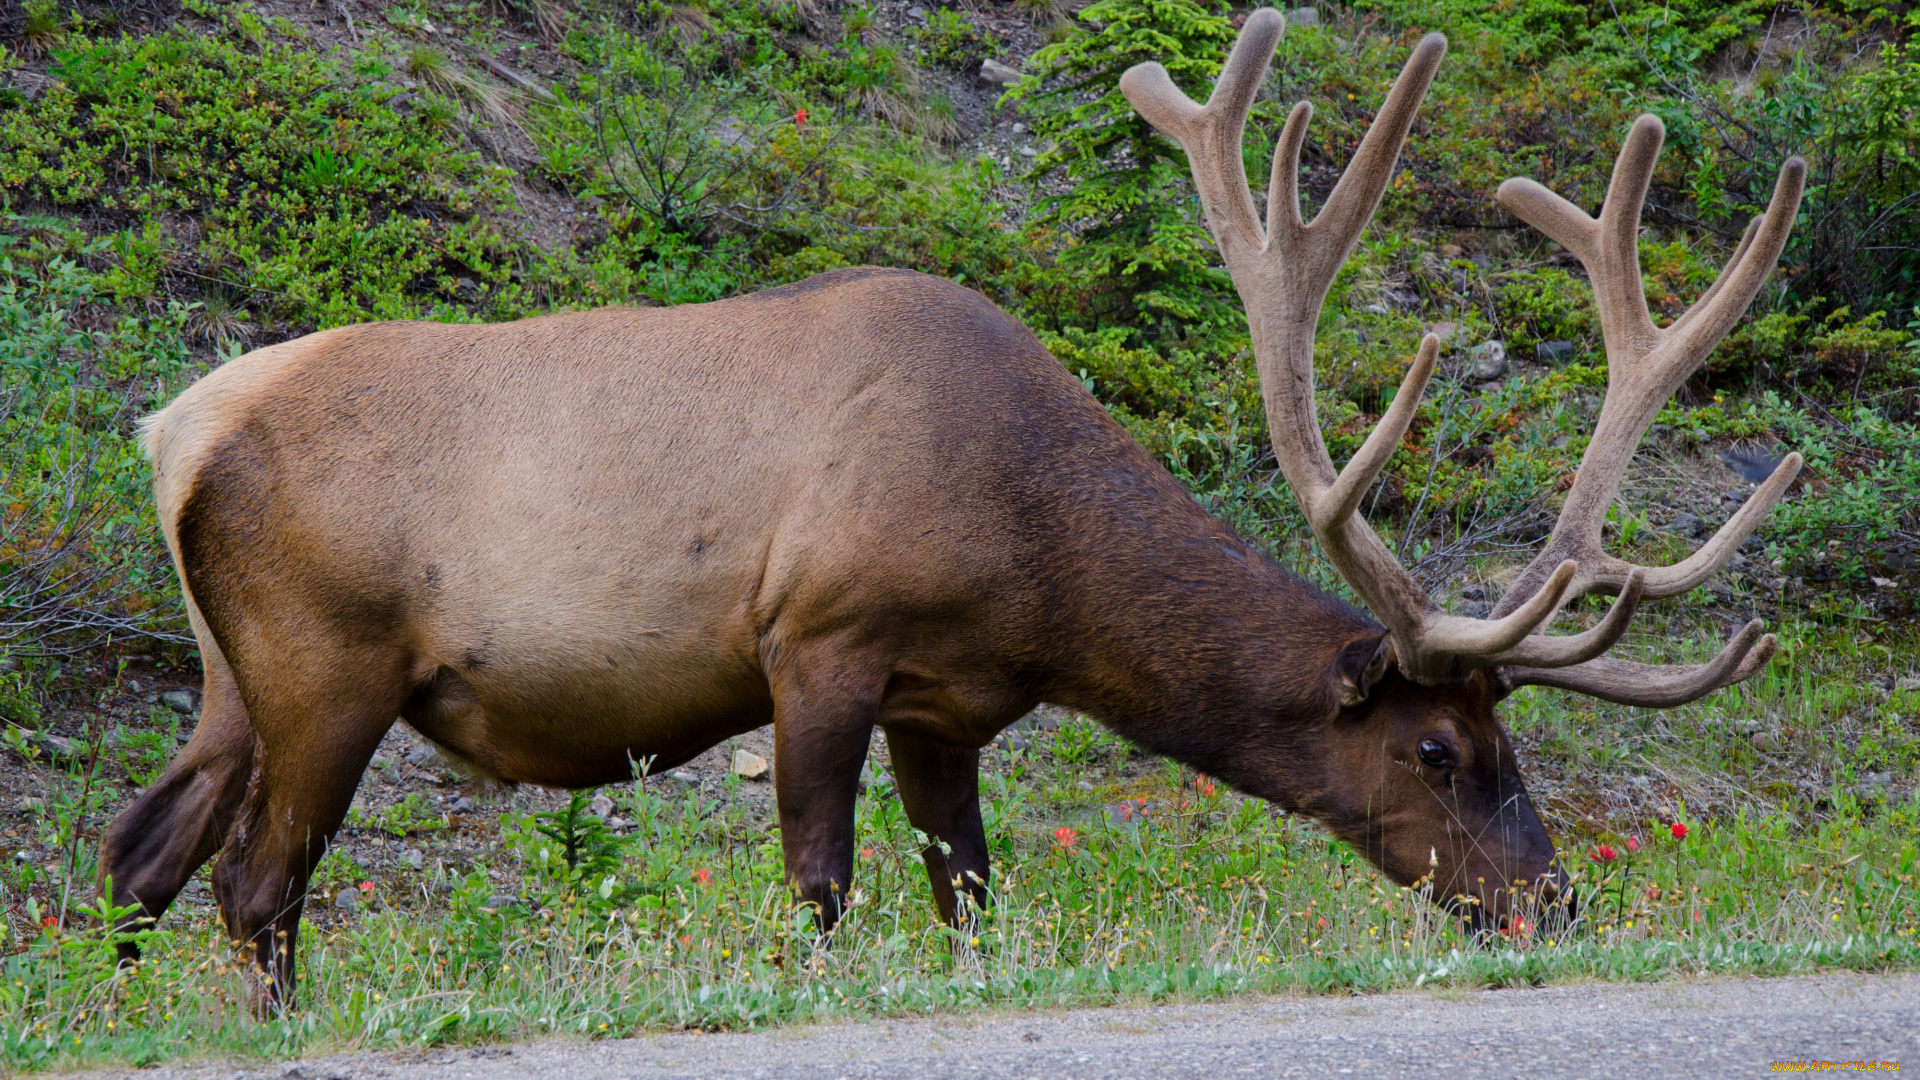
{"points": [[1283, 273], [1645, 365]]}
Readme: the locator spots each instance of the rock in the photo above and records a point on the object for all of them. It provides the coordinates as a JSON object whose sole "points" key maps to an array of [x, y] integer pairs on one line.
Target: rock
{"points": [[347, 900], [422, 754], [1376, 308], [503, 902], [1765, 742], [601, 807], [413, 857], [1910, 682], [1752, 463], [180, 701], [995, 73], [916, 12], [31, 807], [1028, 151], [1443, 330], [461, 805], [685, 776], [1554, 353], [61, 748], [1451, 251], [25, 856], [1489, 360], [1303, 16], [1687, 525], [181, 737], [1084, 785], [748, 765], [1019, 129], [1475, 609]]}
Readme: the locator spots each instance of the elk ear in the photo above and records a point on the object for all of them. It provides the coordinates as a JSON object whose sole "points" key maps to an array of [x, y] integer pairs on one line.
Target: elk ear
{"points": [[1359, 666]]}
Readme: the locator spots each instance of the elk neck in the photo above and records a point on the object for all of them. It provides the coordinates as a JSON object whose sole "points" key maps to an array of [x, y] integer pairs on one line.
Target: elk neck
{"points": [[1196, 645]]}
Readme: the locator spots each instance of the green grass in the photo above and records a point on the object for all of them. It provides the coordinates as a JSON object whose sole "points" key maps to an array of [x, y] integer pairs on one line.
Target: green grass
{"points": [[685, 922]]}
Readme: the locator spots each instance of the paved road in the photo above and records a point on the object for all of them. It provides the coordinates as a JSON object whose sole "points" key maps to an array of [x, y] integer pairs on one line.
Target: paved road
{"points": [[1731, 1027]]}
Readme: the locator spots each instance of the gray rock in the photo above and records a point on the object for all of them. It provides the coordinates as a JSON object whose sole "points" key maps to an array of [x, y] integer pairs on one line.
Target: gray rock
{"points": [[995, 73], [1303, 16], [1765, 742], [748, 765], [23, 855], [916, 12], [61, 748], [685, 776], [502, 902], [1475, 609], [423, 754], [1019, 129], [461, 805], [1909, 682], [1489, 361], [1687, 525], [347, 900], [181, 701], [1752, 463], [601, 807], [1555, 353], [181, 737], [413, 857], [1028, 151], [1084, 785]]}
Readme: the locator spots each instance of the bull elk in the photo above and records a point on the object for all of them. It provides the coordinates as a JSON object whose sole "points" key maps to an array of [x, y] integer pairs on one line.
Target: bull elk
{"points": [[872, 499]]}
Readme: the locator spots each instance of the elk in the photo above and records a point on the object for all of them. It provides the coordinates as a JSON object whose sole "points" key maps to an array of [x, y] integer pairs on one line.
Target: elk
{"points": [[870, 500]]}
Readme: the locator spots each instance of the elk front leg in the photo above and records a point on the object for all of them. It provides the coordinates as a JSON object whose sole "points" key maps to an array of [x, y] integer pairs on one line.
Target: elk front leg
{"points": [[820, 733], [940, 789]]}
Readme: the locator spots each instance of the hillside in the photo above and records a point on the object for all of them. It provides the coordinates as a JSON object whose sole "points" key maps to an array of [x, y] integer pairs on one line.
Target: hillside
{"points": [[184, 180]]}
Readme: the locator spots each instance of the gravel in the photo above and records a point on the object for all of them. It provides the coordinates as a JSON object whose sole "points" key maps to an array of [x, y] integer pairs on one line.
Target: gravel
{"points": [[1730, 1027]]}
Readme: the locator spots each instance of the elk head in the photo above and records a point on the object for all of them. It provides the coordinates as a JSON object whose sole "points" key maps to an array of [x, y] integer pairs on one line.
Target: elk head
{"points": [[1440, 793]]}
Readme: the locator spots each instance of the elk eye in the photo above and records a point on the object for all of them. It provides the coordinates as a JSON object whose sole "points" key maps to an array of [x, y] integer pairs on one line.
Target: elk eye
{"points": [[1433, 752]]}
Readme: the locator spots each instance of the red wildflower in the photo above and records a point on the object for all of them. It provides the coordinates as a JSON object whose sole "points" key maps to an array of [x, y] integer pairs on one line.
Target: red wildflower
{"points": [[1603, 854], [799, 118], [1679, 830], [866, 853], [366, 886], [1063, 838], [703, 876], [1203, 785], [50, 920], [1633, 845]]}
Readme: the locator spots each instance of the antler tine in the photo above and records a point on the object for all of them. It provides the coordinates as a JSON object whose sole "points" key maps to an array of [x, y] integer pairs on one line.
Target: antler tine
{"points": [[1655, 686], [1615, 273], [1357, 193], [1210, 134]]}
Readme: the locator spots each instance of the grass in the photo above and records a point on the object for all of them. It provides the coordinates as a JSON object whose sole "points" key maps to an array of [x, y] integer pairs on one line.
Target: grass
{"points": [[683, 922]]}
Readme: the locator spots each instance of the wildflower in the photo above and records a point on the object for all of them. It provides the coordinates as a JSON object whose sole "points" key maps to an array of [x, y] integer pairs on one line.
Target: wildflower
{"points": [[1063, 838], [366, 886], [1679, 830], [1603, 854], [866, 853], [799, 118], [703, 876], [1633, 845], [1203, 785], [50, 920]]}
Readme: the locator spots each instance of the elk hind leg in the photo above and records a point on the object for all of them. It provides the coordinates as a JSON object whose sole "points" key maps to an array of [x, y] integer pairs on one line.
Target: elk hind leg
{"points": [[154, 846], [317, 724]]}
